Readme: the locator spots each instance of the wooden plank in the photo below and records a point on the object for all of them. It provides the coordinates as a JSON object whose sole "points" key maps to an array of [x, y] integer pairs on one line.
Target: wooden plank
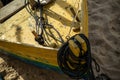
{"points": [[11, 9], [85, 18], [40, 54]]}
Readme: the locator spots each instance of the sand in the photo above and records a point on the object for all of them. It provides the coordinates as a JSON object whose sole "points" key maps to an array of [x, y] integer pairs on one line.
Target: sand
{"points": [[23, 71], [104, 36]]}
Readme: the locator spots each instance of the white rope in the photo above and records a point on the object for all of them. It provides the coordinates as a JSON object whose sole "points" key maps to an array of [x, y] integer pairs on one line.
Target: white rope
{"points": [[73, 21]]}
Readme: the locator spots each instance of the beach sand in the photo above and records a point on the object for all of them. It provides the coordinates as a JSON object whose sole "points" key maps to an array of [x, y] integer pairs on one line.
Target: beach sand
{"points": [[104, 36]]}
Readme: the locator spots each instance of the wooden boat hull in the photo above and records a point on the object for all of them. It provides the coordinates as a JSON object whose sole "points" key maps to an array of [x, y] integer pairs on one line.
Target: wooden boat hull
{"points": [[43, 57]]}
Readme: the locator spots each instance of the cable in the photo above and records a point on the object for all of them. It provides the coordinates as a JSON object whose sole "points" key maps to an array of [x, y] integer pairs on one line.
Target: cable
{"points": [[65, 62], [44, 26], [52, 27], [75, 17], [73, 65]]}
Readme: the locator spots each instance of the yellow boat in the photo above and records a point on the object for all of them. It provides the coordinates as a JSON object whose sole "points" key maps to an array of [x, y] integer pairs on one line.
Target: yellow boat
{"points": [[18, 41]]}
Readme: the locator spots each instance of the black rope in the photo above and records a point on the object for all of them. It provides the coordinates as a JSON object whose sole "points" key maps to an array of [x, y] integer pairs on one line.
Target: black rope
{"points": [[64, 59], [71, 64]]}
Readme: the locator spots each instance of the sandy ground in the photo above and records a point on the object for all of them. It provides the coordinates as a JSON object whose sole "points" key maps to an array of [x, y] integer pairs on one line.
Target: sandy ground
{"points": [[17, 70], [104, 36]]}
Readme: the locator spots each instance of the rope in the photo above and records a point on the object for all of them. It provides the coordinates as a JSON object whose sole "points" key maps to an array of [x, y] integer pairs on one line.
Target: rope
{"points": [[41, 24], [73, 65], [74, 18]]}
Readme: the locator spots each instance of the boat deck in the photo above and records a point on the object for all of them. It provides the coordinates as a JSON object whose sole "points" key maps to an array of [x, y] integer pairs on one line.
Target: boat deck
{"points": [[17, 39]]}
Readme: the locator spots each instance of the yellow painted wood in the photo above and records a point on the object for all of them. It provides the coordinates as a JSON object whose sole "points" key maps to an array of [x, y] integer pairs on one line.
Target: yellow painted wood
{"points": [[44, 55], [74, 48], [58, 14], [85, 17], [82, 42]]}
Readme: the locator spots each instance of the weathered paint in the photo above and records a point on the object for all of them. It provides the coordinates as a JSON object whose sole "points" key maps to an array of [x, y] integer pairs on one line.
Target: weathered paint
{"points": [[40, 56]]}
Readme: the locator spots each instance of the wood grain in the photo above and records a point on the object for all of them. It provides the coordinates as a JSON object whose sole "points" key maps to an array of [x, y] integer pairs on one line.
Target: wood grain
{"points": [[10, 9]]}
